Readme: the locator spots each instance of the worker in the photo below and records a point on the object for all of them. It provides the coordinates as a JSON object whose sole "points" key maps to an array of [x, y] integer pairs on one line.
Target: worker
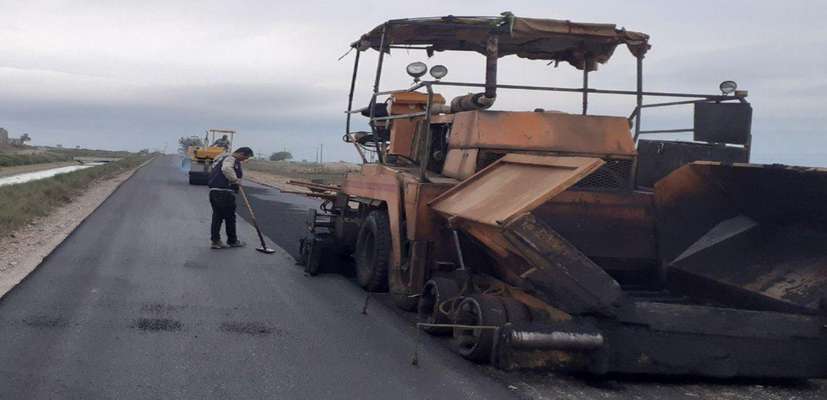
{"points": [[222, 142], [224, 179]]}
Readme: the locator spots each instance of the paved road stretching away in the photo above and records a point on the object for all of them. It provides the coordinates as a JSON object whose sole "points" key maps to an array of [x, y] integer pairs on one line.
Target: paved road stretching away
{"points": [[135, 305]]}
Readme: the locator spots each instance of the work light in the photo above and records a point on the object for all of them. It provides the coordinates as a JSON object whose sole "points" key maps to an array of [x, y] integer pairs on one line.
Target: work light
{"points": [[416, 69], [728, 87], [439, 71]]}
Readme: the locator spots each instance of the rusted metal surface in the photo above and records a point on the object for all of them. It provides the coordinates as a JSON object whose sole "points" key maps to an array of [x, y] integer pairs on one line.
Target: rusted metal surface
{"points": [[403, 140], [422, 223], [746, 235], [658, 158], [460, 163], [514, 184], [542, 131], [562, 275], [532, 38], [602, 224], [655, 338]]}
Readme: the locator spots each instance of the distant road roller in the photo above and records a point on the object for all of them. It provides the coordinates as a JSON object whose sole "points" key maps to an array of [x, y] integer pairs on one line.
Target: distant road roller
{"points": [[202, 157]]}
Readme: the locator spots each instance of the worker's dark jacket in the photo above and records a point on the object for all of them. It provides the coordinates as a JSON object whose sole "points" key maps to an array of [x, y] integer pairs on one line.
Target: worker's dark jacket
{"points": [[217, 179]]}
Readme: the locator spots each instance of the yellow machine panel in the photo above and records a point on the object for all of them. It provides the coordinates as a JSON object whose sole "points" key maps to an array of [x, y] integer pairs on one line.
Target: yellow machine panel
{"points": [[542, 131]]}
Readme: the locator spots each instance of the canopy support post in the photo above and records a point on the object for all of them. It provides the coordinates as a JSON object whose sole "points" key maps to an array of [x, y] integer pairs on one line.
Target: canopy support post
{"points": [[379, 63], [350, 107], [639, 96], [491, 57], [586, 87], [639, 108]]}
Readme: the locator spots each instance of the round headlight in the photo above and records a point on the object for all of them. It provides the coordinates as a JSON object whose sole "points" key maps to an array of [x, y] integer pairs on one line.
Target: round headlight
{"points": [[439, 71], [728, 87], [417, 69]]}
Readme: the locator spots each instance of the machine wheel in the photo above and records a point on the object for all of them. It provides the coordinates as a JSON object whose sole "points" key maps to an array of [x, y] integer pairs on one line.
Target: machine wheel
{"points": [[516, 312], [403, 297], [373, 250], [198, 178], [434, 294], [316, 253], [401, 286], [310, 255], [479, 309]]}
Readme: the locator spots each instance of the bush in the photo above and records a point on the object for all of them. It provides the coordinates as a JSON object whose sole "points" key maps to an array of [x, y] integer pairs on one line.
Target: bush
{"points": [[9, 160], [281, 156]]}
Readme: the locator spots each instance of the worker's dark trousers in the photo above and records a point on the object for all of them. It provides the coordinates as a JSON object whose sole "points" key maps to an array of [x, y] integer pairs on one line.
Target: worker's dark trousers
{"points": [[223, 209]]}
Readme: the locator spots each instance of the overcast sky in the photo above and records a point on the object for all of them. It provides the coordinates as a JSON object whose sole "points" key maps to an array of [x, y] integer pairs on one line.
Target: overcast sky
{"points": [[107, 74]]}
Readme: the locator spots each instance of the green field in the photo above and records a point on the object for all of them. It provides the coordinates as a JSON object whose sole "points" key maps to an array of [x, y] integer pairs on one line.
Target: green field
{"points": [[25, 156], [22, 203]]}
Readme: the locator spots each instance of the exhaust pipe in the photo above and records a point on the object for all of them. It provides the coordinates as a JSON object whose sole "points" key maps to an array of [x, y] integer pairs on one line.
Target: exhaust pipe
{"points": [[491, 57], [477, 101]]}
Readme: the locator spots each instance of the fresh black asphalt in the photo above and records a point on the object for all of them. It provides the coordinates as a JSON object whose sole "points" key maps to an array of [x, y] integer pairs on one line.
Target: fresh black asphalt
{"points": [[134, 305]]}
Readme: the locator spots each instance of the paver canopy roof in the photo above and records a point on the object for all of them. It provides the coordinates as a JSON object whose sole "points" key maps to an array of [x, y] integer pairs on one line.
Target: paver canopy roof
{"points": [[583, 45]]}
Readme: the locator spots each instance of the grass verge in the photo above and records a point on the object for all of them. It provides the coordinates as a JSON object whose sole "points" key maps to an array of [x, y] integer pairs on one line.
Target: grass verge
{"points": [[10, 160], [22, 203], [23, 157]]}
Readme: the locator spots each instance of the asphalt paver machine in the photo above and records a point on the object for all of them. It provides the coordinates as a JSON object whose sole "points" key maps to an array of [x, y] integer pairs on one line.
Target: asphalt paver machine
{"points": [[543, 239]]}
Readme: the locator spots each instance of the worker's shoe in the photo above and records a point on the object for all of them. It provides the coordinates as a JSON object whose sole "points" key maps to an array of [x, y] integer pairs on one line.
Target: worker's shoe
{"points": [[217, 244], [237, 243]]}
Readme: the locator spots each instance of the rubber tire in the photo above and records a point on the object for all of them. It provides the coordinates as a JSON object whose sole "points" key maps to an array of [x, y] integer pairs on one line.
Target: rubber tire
{"points": [[198, 178], [404, 300], [402, 295], [303, 251], [516, 312], [311, 257], [435, 291], [373, 250], [490, 311]]}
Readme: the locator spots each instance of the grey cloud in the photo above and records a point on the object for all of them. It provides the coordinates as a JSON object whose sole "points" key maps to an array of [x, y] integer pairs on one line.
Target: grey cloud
{"points": [[133, 75]]}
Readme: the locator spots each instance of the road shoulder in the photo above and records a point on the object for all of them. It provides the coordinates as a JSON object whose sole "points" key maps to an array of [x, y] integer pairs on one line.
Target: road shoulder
{"points": [[23, 250]]}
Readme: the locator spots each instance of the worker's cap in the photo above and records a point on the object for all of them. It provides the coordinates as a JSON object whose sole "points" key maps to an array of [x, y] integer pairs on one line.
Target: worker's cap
{"points": [[246, 151]]}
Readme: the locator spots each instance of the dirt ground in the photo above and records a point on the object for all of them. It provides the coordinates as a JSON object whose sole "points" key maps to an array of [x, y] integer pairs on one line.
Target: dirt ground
{"points": [[23, 250], [328, 173], [277, 181]]}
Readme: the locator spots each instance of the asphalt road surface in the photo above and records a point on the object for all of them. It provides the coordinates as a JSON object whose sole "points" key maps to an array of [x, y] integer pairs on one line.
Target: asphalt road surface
{"points": [[135, 305]]}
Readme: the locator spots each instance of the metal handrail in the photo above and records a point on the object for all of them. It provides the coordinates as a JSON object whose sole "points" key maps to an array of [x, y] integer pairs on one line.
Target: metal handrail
{"points": [[698, 98]]}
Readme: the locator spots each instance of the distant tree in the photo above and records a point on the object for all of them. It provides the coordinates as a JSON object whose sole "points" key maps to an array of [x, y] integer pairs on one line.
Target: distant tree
{"points": [[281, 156], [25, 138], [143, 151]]}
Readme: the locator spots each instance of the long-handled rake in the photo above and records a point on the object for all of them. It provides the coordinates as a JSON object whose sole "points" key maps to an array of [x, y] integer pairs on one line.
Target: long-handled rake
{"points": [[263, 248]]}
